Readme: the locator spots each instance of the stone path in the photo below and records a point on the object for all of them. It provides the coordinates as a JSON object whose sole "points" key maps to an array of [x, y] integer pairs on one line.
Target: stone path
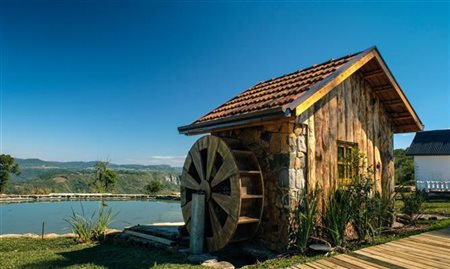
{"points": [[427, 250]]}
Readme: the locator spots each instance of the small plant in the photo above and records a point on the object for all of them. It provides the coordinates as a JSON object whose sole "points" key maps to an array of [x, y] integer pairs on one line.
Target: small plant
{"points": [[90, 228], [81, 226], [304, 218], [105, 218], [412, 205], [337, 215], [153, 187]]}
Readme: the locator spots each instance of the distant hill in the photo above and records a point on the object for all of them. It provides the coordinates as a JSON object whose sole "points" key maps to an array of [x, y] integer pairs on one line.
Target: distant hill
{"points": [[38, 176], [40, 164]]}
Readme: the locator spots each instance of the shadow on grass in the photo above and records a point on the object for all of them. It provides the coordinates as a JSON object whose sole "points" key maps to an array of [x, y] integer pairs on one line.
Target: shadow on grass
{"points": [[111, 255]]}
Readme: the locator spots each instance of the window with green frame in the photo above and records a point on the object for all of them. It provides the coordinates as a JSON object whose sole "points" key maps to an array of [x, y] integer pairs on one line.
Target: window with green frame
{"points": [[345, 159]]}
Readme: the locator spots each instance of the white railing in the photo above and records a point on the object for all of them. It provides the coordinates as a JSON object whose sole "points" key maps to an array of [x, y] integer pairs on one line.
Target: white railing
{"points": [[433, 186]]}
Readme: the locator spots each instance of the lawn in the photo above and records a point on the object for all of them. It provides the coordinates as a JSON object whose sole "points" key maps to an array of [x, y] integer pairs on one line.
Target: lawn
{"points": [[63, 252], [438, 206]]}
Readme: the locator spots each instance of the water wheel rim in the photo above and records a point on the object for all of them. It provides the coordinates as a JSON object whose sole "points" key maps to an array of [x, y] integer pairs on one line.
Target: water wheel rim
{"points": [[219, 180]]}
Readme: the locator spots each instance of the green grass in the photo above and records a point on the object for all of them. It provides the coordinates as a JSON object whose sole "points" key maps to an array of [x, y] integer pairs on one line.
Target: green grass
{"points": [[64, 253], [440, 207]]}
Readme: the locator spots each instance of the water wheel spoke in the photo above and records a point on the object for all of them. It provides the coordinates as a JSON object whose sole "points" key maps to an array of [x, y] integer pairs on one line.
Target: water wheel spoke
{"points": [[212, 166], [215, 224], [212, 151], [197, 160], [225, 202], [227, 169], [189, 182], [186, 209]]}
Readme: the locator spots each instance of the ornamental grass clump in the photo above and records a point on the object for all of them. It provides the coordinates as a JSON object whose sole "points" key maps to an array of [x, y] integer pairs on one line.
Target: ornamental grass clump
{"points": [[337, 215], [304, 218], [90, 228]]}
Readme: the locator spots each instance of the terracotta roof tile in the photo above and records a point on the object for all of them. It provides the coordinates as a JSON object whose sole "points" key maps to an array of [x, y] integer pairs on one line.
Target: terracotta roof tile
{"points": [[275, 92]]}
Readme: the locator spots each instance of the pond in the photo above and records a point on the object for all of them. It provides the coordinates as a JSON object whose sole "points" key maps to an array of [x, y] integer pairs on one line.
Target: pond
{"points": [[28, 217]]}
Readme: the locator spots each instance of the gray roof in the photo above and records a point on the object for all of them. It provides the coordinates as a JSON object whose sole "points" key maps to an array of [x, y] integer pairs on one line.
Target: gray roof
{"points": [[431, 143]]}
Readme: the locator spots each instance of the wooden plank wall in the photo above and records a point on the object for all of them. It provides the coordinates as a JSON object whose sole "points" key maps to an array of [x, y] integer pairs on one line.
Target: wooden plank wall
{"points": [[351, 113]]}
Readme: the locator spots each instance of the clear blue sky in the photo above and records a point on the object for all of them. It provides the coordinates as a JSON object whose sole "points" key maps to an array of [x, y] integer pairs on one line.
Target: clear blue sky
{"points": [[88, 80]]}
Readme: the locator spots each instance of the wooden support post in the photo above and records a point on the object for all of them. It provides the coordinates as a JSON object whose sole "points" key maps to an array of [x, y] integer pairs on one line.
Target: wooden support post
{"points": [[197, 223], [43, 230]]}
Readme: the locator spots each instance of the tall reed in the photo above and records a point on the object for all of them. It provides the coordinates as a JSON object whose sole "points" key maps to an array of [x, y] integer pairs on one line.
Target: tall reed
{"points": [[304, 218]]}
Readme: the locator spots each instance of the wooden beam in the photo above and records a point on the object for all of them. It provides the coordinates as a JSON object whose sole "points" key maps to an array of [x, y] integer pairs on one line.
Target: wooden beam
{"points": [[399, 115], [323, 87], [398, 90], [402, 117], [373, 74], [392, 102], [151, 237], [382, 88]]}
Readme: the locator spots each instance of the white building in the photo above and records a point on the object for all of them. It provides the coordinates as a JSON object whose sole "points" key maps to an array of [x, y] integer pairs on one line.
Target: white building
{"points": [[431, 151]]}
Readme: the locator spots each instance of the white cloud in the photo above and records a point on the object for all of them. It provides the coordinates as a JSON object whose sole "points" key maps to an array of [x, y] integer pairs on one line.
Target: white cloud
{"points": [[176, 161]]}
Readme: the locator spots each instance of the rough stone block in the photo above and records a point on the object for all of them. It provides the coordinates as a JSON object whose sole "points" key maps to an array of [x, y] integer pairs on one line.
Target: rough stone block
{"points": [[297, 163], [301, 143], [301, 159], [300, 179], [292, 142], [292, 157], [292, 176]]}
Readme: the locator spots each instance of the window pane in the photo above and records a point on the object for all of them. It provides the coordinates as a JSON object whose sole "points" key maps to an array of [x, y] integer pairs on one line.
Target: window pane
{"points": [[341, 172], [349, 153], [340, 153]]}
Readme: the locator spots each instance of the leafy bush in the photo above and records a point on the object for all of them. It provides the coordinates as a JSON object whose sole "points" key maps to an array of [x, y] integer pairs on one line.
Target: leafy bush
{"points": [[153, 187], [404, 167], [90, 228], [412, 205], [369, 212], [304, 218], [363, 208]]}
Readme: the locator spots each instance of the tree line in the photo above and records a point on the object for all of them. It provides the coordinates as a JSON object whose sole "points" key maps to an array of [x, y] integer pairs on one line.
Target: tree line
{"points": [[105, 178]]}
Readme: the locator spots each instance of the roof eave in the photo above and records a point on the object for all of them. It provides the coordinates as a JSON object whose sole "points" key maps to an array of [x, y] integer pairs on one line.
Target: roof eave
{"points": [[233, 121]]}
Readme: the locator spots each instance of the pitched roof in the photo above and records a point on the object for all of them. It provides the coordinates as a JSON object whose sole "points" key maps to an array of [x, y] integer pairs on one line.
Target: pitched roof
{"points": [[279, 97], [275, 92], [435, 142]]}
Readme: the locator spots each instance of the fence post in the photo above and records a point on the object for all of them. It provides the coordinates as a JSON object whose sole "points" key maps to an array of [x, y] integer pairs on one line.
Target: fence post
{"points": [[197, 223]]}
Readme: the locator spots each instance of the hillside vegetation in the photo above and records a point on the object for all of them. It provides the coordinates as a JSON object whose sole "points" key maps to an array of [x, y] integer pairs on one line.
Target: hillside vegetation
{"points": [[40, 177], [404, 167]]}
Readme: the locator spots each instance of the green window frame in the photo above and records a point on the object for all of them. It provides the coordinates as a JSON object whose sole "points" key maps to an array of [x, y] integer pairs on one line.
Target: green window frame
{"points": [[345, 157]]}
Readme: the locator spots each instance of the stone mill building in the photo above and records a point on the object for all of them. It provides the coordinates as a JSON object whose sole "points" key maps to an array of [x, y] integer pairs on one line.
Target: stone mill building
{"points": [[286, 134]]}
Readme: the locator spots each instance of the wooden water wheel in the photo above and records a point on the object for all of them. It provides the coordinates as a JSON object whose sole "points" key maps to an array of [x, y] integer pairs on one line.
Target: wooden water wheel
{"points": [[231, 179]]}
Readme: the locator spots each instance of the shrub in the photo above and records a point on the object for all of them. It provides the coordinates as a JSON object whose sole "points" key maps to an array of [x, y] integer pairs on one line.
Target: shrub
{"points": [[370, 212], [412, 205], [337, 215], [153, 187], [304, 218], [364, 208], [90, 228]]}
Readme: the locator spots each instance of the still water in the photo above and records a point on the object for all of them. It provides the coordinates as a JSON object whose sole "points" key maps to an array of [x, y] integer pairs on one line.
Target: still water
{"points": [[28, 217]]}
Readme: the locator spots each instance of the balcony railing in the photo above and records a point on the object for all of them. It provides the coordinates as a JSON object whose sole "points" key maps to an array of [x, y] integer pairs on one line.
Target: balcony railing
{"points": [[433, 186]]}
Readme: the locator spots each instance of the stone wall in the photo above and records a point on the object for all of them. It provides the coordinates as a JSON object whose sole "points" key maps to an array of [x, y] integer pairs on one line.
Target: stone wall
{"points": [[281, 152]]}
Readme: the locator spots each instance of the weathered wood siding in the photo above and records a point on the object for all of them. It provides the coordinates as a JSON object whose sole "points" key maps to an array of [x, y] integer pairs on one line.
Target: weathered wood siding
{"points": [[352, 113]]}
